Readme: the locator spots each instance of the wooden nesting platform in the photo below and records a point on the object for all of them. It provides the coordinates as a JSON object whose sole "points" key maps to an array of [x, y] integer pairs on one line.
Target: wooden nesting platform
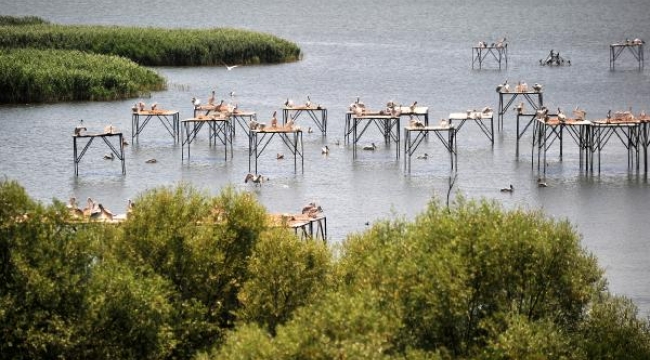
{"points": [[116, 149], [627, 130], [220, 128], [317, 113], [421, 133], [388, 125], [547, 131], [634, 47], [534, 98], [593, 136], [212, 110], [259, 139], [169, 119], [496, 52], [480, 118], [243, 118], [304, 225]]}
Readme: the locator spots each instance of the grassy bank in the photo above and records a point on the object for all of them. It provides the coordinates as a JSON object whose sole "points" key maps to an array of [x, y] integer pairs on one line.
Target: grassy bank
{"points": [[155, 46], [31, 75]]}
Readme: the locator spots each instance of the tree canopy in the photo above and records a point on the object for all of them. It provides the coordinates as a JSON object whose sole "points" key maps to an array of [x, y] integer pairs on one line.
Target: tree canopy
{"points": [[189, 275]]}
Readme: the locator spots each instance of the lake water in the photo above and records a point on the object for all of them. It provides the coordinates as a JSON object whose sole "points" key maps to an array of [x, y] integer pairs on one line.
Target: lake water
{"points": [[407, 51]]}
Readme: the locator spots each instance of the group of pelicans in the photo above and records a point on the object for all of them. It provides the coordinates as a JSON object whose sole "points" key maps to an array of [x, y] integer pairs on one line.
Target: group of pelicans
{"points": [[95, 211], [521, 87], [501, 43]]}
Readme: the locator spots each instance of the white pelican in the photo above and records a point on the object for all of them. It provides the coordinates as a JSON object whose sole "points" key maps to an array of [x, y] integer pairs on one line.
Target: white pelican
{"points": [[508, 189], [325, 150], [560, 115], [196, 102], [288, 103], [257, 179], [103, 214], [358, 103], [537, 87], [78, 130], [90, 207], [211, 98], [308, 103], [502, 87], [370, 147], [274, 119], [413, 106], [290, 123], [73, 208]]}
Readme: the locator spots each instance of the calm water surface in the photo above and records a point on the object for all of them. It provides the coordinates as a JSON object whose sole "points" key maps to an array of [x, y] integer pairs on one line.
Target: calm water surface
{"points": [[378, 50]]}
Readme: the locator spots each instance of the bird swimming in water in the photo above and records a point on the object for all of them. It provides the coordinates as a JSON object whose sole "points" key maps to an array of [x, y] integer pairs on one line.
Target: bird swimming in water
{"points": [[256, 179], [109, 156], [325, 150], [370, 147], [151, 161], [279, 156], [541, 183], [424, 156], [508, 189]]}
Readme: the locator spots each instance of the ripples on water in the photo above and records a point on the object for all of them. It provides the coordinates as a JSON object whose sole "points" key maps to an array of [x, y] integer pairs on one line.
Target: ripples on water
{"points": [[412, 50]]}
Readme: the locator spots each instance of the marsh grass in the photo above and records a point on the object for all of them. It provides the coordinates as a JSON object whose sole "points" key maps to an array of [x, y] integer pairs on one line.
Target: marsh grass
{"points": [[156, 46], [32, 75]]}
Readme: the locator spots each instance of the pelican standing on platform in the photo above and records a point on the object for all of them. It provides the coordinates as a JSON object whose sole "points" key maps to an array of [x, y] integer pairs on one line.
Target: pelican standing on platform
{"points": [[211, 98]]}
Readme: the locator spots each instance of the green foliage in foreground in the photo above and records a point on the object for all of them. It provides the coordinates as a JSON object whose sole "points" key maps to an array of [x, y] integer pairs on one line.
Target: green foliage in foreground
{"points": [[156, 46], [190, 275], [30, 75]]}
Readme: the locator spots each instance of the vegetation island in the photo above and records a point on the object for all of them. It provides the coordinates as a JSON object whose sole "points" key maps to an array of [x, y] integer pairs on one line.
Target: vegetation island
{"points": [[44, 62]]}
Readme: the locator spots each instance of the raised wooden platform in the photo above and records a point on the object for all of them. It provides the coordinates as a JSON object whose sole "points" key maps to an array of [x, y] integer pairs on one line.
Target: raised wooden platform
{"points": [[116, 149], [169, 119]]}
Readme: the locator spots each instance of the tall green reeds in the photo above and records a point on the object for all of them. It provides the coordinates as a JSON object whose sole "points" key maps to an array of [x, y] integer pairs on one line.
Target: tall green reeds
{"points": [[31, 75], [156, 46]]}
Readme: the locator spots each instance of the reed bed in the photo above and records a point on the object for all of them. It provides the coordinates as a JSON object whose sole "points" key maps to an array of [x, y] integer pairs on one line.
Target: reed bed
{"points": [[21, 20], [34, 75], [156, 46]]}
